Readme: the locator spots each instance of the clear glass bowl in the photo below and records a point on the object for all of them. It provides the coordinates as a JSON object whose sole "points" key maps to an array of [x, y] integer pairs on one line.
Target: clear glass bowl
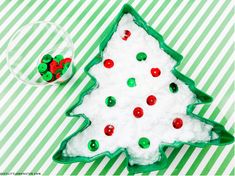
{"points": [[30, 43]]}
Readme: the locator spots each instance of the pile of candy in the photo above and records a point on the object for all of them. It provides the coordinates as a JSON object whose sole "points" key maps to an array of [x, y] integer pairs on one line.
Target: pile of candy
{"points": [[53, 68]]}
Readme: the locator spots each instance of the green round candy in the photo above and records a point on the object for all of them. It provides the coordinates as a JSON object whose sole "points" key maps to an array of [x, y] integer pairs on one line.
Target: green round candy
{"points": [[141, 56], [173, 87], [144, 142], [42, 68], [58, 58], [131, 82], [47, 76], [47, 58], [110, 101], [93, 145]]}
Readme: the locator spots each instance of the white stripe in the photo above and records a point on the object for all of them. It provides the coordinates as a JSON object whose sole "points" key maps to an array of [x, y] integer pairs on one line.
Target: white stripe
{"points": [[116, 164], [199, 32], [20, 21], [176, 160], [6, 9], [163, 14], [219, 97], [145, 6], [55, 136], [167, 24], [220, 58], [153, 11], [101, 166], [186, 16], [220, 159], [12, 16], [230, 167], [193, 24], [190, 161], [212, 49]]}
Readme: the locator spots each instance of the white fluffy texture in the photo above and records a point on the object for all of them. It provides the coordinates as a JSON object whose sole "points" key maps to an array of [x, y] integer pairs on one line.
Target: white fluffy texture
{"points": [[156, 124]]}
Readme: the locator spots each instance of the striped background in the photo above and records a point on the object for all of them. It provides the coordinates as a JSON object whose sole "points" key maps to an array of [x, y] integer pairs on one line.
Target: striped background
{"points": [[32, 123]]}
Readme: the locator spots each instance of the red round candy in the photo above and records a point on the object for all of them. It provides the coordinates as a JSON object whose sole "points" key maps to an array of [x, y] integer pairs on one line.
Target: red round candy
{"points": [[108, 130], [127, 34], [177, 123], [151, 100], [138, 112], [108, 63], [155, 72], [66, 60], [57, 75]]}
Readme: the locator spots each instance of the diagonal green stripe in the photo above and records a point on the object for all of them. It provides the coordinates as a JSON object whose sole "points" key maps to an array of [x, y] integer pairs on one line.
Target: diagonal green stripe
{"points": [[168, 15], [9, 12], [149, 8], [109, 165], [203, 34], [188, 22], [78, 168], [94, 166], [178, 18], [228, 114], [214, 157], [208, 46], [225, 164], [159, 11], [121, 167], [4, 5]]}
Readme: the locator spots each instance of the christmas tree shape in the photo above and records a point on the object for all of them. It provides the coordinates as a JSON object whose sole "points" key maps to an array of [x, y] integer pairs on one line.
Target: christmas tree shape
{"points": [[137, 102]]}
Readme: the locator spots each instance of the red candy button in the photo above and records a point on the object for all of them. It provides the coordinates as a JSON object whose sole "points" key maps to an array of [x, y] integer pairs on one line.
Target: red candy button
{"points": [[127, 34], [108, 63], [155, 72], [138, 112], [108, 130], [177, 123], [57, 75], [151, 100]]}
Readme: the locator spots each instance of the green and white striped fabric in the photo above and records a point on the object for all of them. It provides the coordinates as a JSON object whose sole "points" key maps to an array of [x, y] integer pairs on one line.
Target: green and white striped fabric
{"points": [[32, 120]]}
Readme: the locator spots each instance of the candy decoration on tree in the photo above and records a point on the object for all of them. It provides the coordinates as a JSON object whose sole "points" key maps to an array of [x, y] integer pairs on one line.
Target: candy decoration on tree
{"points": [[173, 87], [108, 130], [127, 34], [110, 101], [144, 142], [141, 56], [156, 125], [151, 100], [131, 82], [155, 72], [177, 123], [108, 63], [138, 112], [93, 145]]}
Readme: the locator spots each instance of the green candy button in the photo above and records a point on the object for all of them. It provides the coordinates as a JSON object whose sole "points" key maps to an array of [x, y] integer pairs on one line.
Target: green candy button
{"points": [[47, 58], [141, 56], [93, 145], [131, 82], [58, 58], [42, 67], [144, 142], [47, 76]]}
